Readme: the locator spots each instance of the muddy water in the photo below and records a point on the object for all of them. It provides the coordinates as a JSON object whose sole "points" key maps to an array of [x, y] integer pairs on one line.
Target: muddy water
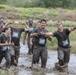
{"points": [[24, 65]]}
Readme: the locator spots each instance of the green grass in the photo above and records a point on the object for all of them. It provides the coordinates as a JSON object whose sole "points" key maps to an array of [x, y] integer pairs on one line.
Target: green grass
{"points": [[35, 12], [23, 14]]}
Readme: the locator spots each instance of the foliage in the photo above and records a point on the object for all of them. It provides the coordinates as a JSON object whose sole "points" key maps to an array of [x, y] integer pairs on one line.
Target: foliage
{"points": [[41, 3]]}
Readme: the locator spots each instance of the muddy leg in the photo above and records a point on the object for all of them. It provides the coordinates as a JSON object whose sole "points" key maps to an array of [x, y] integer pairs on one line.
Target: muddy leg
{"points": [[61, 57], [1, 57], [8, 59], [17, 53], [36, 55], [43, 58]]}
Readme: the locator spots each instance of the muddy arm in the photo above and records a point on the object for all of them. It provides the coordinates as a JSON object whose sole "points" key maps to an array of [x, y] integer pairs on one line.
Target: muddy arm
{"points": [[33, 35], [72, 29]]}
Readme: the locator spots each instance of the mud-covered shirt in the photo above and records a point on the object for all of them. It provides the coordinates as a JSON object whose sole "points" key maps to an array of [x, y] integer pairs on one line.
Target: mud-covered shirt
{"points": [[31, 29], [40, 39], [15, 35], [4, 39], [63, 38]]}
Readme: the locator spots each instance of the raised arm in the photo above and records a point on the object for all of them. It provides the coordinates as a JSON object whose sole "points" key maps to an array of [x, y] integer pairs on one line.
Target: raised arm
{"points": [[72, 29]]}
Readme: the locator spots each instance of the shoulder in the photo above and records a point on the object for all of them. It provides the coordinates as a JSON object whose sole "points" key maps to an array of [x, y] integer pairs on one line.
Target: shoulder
{"points": [[37, 29], [55, 33], [46, 30], [66, 29]]}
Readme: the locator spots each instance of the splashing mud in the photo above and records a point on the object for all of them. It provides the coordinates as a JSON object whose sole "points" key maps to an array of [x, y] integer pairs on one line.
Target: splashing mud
{"points": [[24, 65]]}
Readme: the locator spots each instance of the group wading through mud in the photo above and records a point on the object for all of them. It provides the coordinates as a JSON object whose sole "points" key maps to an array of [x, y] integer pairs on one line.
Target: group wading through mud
{"points": [[36, 41]]}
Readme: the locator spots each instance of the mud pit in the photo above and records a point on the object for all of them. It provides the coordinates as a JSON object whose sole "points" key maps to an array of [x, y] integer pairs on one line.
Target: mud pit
{"points": [[24, 65]]}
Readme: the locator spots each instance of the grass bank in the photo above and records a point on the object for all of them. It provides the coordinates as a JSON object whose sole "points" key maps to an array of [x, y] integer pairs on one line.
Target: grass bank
{"points": [[37, 13], [68, 18]]}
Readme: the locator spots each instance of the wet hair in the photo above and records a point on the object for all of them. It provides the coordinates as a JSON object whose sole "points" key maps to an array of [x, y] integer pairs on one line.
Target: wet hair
{"points": [[43, 20], [38, 21], [59, 22], [4, 30], [16, 22]]}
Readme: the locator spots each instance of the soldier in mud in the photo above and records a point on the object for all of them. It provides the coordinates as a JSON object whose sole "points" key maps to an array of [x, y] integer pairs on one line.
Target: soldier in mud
{"points": [[1, 27], [30, 28], [40, 50], [62, 35], [15, 38], [38, 24], [2, 21], [32, 39], [4, 46]]}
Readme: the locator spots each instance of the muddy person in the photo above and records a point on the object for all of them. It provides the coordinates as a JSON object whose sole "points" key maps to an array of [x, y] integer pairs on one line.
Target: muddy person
{"points": [[4, 46], [40, 50], [1, 27], [30, 28], [32, 39], [15, 38], [62, 35], [1, 19]]}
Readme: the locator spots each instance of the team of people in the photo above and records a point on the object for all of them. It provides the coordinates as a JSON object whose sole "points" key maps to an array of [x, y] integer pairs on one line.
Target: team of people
{"points": [[36, 41]]}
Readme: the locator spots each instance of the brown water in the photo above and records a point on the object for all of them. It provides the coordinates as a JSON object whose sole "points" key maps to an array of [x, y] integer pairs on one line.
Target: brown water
{"points": [[25, 63]]}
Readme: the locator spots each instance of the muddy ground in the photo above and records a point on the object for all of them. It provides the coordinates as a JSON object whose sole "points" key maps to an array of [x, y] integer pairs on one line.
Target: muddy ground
{"points": [[24, 65]]}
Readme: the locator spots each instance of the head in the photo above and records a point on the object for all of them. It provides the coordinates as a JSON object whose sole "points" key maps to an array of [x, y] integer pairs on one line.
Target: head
{"points": [[1, 19], [30, 21], [2, 24], [7, 30], [16, 24], [43, 23], [39, 24], [59, 25]]}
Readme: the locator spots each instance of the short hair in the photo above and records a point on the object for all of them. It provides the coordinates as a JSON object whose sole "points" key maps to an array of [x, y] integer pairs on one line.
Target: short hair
{"points": [[59, 22], [30, 20], [43, 20], [16, 22], [4, 30], [39, 21]]}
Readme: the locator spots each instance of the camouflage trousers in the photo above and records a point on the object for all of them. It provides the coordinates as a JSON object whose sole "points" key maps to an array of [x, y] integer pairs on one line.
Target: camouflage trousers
{"points": [[63, 55], [6, 54], [15, 52], [39, 52]]}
